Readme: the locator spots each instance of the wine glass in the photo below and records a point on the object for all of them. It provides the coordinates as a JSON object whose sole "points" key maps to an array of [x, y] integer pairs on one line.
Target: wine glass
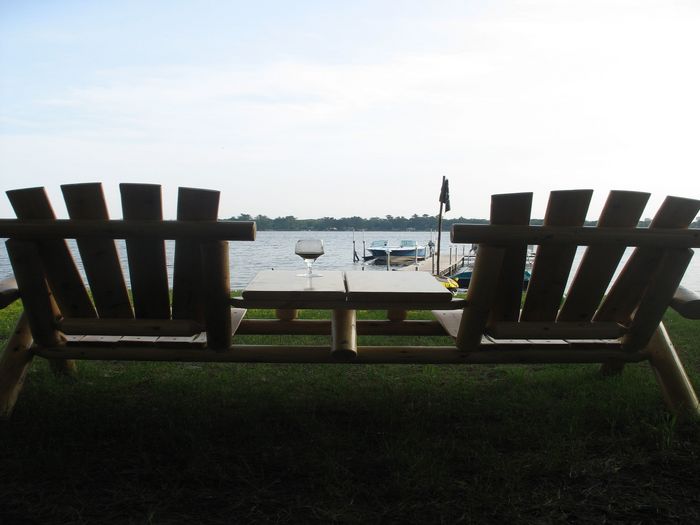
{"points": [[309, 250]]}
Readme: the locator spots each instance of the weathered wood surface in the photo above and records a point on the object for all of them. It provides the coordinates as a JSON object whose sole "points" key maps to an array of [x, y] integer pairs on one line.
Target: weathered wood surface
{"points": [[122, 229], [556, 330], [396, 314], [99, 256], [140, 332], [9, 292], [480, 296], [323, 327], [275, 286], [491, 352], [449, 320], [284, 304], [686, 302], [145, 327], [538, 331], [14, 362], [622, 209], [552, 265], [675, 386], [656, 298], [188, 301], [510, 209], [217, 294], [147, 268], [579, 235], [344, 334], [404, 288], [674, 215], [286, 314], [38, 301], [61, 272]]}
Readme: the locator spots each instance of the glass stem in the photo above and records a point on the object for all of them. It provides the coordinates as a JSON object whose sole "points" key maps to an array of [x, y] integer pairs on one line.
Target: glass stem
{"points": [[309, 263]]}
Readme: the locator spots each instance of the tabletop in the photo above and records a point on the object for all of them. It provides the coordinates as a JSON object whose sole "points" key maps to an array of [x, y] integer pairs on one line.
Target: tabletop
{"points": [[293, 285], [408, 286], [403, 288]]}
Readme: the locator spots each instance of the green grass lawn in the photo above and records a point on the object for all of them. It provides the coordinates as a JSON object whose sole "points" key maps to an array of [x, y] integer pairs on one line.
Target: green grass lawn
{"points": [[239, 443]]}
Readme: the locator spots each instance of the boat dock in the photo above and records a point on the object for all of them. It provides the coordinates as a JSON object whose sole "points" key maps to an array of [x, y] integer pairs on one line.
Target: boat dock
{"points": [[448, 264]]}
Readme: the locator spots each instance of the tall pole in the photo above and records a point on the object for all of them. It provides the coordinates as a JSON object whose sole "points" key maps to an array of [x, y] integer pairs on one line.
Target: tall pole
{"points": [[354, 251], [439, 233]]}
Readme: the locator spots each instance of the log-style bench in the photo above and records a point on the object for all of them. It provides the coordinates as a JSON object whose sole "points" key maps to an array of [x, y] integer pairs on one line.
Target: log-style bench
{"points": [[63, 321], [599, 318]]}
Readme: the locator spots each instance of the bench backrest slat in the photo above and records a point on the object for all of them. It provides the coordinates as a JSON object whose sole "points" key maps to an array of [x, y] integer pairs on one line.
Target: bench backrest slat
{"points": [[552, 264], [598, 265], [39, 303], [147, 266], [99, 256], [61, 272], [510, 209], [624, 296], [480, 296], [217, 294], [192, 205], [656, 297]]}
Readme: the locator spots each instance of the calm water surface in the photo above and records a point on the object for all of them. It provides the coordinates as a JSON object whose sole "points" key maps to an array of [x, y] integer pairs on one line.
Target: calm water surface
{"points": [[275, 250]]}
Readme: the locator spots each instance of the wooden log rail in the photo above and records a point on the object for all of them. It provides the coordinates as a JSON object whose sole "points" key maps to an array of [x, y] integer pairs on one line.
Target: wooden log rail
{"points": [[575, 235], [323, 327], [346, 304], [239, 353], [128, 229]]}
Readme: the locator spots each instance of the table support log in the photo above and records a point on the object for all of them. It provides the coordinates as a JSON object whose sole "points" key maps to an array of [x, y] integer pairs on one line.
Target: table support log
{"points": [[344, 334], [286, 314], [396, 314]]}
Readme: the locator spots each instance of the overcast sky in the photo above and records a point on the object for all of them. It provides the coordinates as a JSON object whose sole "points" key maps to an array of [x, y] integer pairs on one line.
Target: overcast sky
{"points": [[351, 108]]}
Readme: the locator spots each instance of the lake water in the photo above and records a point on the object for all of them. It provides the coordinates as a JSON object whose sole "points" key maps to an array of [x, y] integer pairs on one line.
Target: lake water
{"points": [[275, 250]]}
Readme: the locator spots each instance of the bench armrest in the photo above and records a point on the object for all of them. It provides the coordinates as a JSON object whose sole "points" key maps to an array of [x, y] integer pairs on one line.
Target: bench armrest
{"points": [[687, 303], [9, 292]]}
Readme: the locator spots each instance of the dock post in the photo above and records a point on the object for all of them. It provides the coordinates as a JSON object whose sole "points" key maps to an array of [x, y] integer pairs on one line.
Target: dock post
{"points": [[355, 257]]}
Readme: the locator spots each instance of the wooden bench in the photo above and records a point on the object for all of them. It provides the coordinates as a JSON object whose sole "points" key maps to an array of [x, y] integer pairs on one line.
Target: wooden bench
{"points": [[63, 322], [586, 323]]}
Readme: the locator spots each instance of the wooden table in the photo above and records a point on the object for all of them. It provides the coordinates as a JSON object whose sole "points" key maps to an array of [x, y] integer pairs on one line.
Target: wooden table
{"points": [[343, 293]]}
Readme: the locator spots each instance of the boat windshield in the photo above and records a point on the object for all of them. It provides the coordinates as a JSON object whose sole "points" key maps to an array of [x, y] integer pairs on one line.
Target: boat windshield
{"points": [[408, 244], [378, 244]]}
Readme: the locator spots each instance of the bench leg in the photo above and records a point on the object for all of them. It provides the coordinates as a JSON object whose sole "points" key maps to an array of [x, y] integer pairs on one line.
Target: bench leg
{"points": [[14, 363], [676, 388]]}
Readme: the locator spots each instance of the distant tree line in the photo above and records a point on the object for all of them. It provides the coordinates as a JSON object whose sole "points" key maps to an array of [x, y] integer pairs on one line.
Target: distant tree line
{"points": [[388, 223], [416, 222]]}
